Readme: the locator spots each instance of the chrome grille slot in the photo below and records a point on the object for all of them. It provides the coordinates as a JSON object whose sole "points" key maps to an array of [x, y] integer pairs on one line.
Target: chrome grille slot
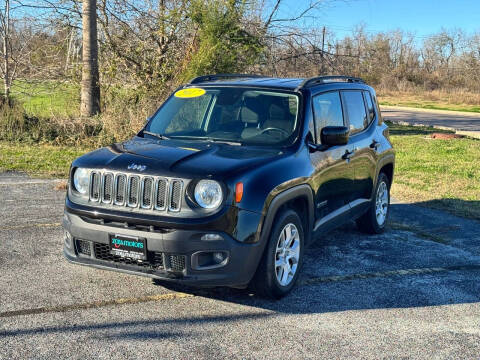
{"points": [[120, 187], [144, 192], [147, 192], [175, 195], [95, 179], [107, 188], [133, 188], [161, 194]]}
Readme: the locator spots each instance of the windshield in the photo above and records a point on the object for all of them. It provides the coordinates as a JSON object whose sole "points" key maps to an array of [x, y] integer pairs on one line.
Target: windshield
{"points": [[243, 115]]}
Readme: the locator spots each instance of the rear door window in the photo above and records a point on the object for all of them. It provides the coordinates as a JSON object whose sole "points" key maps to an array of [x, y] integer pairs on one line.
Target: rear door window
{"points": [[355, 109]]}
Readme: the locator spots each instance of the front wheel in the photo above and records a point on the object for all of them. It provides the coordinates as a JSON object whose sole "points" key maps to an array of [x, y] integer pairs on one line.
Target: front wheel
{"points": [[279, 268], [375, 219]]}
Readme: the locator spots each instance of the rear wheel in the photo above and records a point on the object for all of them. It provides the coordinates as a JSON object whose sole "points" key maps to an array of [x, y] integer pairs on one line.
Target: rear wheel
{"points": [[279, 268], [375, 219]]}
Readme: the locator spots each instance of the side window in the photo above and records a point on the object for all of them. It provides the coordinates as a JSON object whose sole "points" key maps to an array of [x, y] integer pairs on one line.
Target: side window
{"points": [[355, 110], [327, 110], [370, 107]]}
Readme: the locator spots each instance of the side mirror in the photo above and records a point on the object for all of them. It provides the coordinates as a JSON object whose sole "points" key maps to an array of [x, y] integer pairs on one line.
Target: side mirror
{"points": [[334, 135]]}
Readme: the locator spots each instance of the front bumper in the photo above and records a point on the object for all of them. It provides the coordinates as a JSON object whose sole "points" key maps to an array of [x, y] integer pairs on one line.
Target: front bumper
{"points": [[175, 252]]}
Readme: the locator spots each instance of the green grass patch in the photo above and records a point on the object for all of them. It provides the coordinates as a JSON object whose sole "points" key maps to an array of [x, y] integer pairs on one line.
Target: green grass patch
{"points": [[442, 174], [38, 160], [46, 99]]}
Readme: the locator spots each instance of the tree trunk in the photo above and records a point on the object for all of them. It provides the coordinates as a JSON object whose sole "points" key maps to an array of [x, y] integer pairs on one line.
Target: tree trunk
{"points": [[90, 93], [6, 80]]}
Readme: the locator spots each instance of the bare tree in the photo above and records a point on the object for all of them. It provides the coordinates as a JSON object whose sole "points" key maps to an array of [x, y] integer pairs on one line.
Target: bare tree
{"points": [[5, 24], [90, 93]]}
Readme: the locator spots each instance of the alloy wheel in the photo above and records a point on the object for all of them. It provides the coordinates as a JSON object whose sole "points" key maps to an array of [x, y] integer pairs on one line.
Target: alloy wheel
{"points": [[381, 203], [287, 254]]}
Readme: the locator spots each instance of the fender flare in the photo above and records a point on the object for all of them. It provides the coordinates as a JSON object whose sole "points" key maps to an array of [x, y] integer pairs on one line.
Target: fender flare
{"points": [[282, 198], [388, 159]]}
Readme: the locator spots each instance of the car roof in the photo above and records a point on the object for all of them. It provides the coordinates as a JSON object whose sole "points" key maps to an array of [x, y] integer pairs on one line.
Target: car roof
{"points": [[268, 82], [273, 82]]}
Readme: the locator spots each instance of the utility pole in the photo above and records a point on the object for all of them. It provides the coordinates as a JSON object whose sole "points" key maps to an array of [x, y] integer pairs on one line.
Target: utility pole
{"points": [[322, 54]]}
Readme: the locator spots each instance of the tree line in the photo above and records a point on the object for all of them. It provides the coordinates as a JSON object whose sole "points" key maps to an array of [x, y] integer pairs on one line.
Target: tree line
{"points": [[393, 60], [125, 56]]}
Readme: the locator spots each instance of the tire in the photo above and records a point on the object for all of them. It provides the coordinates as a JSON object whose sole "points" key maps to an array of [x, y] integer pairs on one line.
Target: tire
{"points": [[266, 282], [369, 222]]}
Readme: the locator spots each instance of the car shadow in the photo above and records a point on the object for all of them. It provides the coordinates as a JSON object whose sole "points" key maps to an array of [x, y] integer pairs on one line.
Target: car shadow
{"points": [[395, 129], [460, 207], [345, 270], [152, 328], [425, 257]]}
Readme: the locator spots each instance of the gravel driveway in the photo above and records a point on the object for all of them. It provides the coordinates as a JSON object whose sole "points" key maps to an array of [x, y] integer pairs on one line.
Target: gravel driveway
{"points": [[413, 292]]}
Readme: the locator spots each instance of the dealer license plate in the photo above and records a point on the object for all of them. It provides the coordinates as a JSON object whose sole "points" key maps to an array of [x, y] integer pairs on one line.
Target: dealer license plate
{"points": [[128, 247]]}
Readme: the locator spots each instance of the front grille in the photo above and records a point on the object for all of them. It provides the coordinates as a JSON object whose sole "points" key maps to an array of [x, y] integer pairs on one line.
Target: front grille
{"points": [[177, 262], [155, 260], [175, 195], [107, 188], [95, 186], [147, 193], [158, 259], [125, 225], [83, 247], [136, 191], [102, 252], [161, 194], [133, 187], [120, 187]]}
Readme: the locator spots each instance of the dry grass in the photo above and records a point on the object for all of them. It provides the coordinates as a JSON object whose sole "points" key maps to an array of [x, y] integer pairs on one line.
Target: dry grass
{"points": [[457, 99], [124, 113], [61, 185]]}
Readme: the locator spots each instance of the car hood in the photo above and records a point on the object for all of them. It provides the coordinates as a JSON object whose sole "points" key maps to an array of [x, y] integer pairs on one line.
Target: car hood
{"points": [[178, 158]]}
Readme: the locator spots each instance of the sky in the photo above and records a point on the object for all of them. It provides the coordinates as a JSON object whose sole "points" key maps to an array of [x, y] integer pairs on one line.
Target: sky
{"points": [[421, 17]]}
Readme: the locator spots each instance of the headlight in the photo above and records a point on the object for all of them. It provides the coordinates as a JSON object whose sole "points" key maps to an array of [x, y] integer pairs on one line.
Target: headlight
{"points": [[208, 194], [80, 180]]}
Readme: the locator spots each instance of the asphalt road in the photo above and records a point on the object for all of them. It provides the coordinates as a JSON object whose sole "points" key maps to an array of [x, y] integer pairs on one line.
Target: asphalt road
{"points": [[413, 292], [461, 121]]}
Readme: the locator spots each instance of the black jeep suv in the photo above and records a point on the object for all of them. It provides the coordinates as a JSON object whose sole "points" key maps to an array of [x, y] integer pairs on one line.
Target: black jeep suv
{"points": [[231, 179]]}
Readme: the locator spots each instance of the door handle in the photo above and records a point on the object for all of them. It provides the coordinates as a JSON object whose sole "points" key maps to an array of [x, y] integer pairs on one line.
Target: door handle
{"points": [[374, 145], [348, 154]]}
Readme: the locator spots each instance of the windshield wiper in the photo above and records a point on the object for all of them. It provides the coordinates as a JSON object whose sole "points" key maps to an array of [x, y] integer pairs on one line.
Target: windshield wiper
{"points": [[225, 141], [158, 136], [207, 138]]}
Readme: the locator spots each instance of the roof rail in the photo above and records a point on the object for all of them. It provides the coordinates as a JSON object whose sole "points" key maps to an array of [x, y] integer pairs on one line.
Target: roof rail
{"points": [[329, 79], [213, 77]]}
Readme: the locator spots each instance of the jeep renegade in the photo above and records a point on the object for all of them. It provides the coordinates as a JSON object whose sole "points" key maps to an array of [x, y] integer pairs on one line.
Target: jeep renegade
{"points": [[231, 179]]}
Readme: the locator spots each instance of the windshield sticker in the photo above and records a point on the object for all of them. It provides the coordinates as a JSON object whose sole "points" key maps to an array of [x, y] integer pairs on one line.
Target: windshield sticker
{"points": [[190, 93]]}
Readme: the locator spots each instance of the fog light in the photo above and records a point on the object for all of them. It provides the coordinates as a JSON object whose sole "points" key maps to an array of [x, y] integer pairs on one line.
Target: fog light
{"points": [[211, 237], [218, 257], [205, 260]]}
